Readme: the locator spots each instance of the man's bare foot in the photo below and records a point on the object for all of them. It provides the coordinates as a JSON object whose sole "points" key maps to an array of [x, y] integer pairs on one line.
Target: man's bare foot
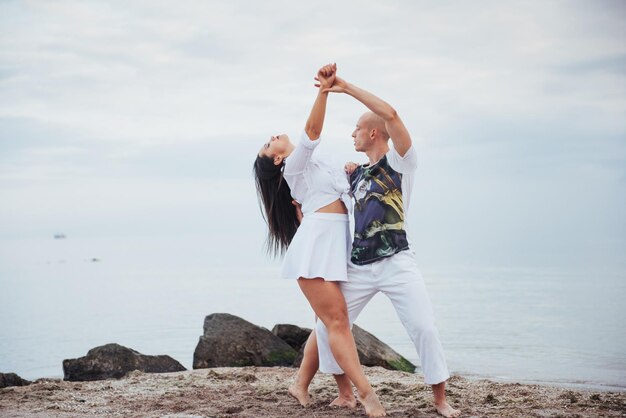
{"points": [[447, 411], [344, 402], [372, 405], [301, 395]]}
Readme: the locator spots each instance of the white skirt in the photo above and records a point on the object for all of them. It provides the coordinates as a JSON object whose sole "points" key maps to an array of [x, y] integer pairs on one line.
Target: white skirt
{"points": [[320, 248]]}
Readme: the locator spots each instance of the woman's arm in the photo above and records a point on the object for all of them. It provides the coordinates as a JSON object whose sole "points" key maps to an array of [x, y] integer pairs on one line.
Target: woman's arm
{"points": [[315, 123], [299, 158]]}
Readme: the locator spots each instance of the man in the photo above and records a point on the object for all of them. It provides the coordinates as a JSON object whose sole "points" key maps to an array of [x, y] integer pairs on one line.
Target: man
{"points": [[381, 258]]}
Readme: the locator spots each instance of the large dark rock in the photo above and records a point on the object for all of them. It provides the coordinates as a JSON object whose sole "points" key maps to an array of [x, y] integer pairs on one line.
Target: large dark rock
{"points": [[298, 361], [292, 334], [114, 361], [11, 379], [230, 341], [372, 351]]}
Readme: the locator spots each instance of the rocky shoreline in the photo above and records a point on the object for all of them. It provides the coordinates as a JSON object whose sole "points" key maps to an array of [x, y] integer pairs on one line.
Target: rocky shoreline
{"points": [[242, 370]]}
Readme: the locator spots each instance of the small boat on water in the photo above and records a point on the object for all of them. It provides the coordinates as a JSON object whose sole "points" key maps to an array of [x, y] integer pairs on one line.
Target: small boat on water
{"points": [[59, 236]]}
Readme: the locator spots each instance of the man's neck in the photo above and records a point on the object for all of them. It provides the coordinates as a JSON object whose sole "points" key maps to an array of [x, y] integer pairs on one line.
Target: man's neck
{"points": [[376, 154]]}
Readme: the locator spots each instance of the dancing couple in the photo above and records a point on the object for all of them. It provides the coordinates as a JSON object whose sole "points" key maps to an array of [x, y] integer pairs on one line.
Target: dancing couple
{"points": [[307, 202]]}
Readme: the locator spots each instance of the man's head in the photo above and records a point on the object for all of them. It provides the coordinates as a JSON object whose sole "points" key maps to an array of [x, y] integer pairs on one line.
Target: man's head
{"points": [[370, 133]]}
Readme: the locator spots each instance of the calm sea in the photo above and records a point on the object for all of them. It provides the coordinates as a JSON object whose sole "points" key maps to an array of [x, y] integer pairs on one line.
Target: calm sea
{"points": [[62, 297]]}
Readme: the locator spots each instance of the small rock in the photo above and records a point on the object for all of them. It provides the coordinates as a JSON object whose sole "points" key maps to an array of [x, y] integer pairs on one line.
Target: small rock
{"points": [[115, 361], [490, 399], [570, 396], [12, 379]]}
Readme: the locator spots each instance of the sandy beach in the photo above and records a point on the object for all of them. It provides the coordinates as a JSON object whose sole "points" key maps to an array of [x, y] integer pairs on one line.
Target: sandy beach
{"points": [[262, 391]]}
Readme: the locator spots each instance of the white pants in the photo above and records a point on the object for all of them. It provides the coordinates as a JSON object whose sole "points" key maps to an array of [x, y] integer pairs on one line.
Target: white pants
{"points": [[400, 280]]}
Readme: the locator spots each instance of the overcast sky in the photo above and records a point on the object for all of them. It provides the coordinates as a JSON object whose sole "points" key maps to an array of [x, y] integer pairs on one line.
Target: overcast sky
{"points": [[143, 118]]}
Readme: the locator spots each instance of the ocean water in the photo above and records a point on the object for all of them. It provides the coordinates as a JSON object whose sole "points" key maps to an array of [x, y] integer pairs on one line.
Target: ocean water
{"points": [[62, 297]]}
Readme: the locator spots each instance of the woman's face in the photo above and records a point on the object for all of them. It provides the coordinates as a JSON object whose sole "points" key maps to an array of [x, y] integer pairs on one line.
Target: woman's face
{"points": [[277, 145]]}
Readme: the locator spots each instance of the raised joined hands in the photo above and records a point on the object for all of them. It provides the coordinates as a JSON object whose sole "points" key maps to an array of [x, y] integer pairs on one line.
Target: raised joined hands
{"points": [[326, 76], [339, 86], [328, 81]]}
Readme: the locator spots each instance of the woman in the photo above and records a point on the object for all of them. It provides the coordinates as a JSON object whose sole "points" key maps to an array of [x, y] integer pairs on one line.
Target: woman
{"points": [[317, 249]]}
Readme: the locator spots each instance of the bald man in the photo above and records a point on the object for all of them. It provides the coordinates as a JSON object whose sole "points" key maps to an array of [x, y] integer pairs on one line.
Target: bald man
{"points": [[381, 259]]}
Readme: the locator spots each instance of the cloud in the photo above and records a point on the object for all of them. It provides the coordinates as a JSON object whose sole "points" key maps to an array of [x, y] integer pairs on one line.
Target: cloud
{"points": [[102, 93]]}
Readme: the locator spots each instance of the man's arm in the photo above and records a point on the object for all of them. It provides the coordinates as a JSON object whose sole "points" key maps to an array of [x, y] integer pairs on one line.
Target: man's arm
{"points": [[395, 128]]}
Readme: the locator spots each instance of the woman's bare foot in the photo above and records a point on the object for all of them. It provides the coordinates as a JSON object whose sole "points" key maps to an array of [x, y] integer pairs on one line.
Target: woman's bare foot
{"points": [[372, 405], [300, 394], [344, 402], [447, 411]]}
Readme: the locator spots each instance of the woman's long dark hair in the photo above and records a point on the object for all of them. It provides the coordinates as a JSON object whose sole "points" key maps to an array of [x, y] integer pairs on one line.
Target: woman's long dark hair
{"points": [[275, 199]]}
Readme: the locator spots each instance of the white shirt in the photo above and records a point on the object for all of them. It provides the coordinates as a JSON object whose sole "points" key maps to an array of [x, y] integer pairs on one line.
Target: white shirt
{"points": [[313, 181], [407, 166]]}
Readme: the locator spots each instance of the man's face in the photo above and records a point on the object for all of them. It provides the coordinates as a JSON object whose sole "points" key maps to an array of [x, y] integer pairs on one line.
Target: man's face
{"points": [[361, 135]]}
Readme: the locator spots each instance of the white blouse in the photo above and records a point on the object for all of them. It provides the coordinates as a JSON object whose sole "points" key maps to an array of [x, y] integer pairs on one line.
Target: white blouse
{"points": [[314, 183]]}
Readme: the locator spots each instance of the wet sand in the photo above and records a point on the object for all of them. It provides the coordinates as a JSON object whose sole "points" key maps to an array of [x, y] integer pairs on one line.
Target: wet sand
{"points": [[262, 392]]}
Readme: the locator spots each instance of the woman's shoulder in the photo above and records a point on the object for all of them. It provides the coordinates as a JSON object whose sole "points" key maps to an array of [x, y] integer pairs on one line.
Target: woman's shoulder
{"points": [[307, 142]]}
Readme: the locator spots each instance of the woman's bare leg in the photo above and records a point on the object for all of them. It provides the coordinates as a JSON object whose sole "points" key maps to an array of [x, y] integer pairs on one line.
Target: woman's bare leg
{"points": [[310, 363], [329, 305], [299, 389]]}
